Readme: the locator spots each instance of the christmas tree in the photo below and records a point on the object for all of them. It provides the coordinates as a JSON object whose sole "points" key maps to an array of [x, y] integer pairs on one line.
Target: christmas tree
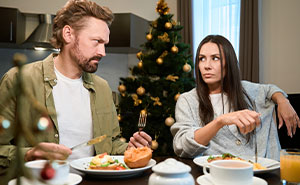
{"points": [[162, 74]]}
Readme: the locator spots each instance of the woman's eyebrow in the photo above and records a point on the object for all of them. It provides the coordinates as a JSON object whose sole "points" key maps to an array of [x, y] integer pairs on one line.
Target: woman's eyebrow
{"points": [[217, 54]]}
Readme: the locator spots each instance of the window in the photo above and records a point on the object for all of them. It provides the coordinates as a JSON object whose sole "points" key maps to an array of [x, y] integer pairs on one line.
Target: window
{"points": [[220, 17]]}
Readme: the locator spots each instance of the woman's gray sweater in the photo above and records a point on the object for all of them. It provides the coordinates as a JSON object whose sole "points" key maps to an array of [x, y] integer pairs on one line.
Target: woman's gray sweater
{"points": [[228, 139]]}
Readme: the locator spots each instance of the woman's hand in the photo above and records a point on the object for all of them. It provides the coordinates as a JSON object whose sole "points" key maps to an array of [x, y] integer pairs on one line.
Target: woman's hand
{"points": [[140, 139], [288, 115], [48, 151], [246, 120]]}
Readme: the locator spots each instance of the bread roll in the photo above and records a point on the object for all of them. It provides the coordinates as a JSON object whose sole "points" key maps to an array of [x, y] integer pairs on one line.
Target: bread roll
{"points": [[137, 157]]}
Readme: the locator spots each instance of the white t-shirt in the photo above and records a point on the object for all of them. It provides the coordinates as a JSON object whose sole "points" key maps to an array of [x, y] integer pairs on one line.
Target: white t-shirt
{"points": [[216, 101], [72, 104]]}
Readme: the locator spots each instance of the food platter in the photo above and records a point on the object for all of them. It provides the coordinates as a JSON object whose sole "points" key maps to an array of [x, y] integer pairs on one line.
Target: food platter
{"points": [[82, 165], [202, 160]]}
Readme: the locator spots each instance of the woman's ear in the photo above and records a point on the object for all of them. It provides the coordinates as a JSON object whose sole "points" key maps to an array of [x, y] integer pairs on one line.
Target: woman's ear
{"points": [[67, 34]]}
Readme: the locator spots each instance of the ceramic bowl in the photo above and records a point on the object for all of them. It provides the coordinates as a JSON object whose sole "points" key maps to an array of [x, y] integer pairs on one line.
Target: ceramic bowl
{"points": [[61, 168]]}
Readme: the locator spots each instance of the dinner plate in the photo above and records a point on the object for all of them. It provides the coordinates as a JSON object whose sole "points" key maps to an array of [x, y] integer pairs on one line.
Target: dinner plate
{"points": [[203, 180], [82, 165], [72, 180], [200, 161]]}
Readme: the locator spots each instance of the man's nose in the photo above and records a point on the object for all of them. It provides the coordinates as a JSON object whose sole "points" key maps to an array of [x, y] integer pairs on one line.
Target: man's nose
{"points": [[101, 50]]}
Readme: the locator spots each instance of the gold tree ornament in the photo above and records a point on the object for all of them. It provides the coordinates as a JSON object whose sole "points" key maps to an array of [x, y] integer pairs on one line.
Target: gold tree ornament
{"points": [[176, 96], [172, 78], [141, 91], [169, 121], [164, 37], [149, 36], [140, 64], [187, 68], [122, 88], [168, 25], [174, 49], [123, 139], [119, 117], [154, 145], [156, 101], [136, 100], [162, 7], [159, 61], [139, 55]]}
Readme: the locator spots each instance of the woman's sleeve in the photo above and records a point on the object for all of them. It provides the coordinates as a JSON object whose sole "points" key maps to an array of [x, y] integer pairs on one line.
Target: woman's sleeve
{"points": [[183, 129], [257, 91], [270, 89]]}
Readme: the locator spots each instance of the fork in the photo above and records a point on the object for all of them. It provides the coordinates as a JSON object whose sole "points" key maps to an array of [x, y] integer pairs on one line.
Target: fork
{"points": [[142, 121], [254, 133]]}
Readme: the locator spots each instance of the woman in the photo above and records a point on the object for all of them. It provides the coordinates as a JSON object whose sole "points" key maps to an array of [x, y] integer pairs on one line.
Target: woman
{"points": [[220, 114]]}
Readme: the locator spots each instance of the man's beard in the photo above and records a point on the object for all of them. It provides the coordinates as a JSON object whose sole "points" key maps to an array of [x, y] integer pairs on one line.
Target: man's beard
{"points": [[84, 63]]}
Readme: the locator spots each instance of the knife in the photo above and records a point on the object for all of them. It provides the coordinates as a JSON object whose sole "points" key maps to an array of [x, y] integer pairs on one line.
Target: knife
{"points": [[90, 142]]}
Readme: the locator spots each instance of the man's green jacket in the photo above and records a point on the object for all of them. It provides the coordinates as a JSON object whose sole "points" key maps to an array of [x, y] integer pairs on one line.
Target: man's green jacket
{"points": [[38, 79]]}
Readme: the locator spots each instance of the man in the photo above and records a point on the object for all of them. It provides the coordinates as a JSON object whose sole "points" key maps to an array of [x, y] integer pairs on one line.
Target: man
{"points": [[64, 84]]}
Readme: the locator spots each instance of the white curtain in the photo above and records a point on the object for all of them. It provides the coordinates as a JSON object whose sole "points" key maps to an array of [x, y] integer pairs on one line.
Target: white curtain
{"points": [[220, 17]]}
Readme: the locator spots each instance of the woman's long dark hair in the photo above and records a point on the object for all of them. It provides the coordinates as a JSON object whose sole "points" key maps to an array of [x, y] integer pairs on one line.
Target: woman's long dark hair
{"points": [[230, 84]]}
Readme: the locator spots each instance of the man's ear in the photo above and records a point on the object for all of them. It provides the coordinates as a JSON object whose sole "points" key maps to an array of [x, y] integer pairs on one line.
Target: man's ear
{"points": [[67, 34]]}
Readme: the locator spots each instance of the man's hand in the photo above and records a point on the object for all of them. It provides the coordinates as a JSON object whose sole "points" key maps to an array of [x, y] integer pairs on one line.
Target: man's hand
{"points": [[48, 151], [139, 140]]}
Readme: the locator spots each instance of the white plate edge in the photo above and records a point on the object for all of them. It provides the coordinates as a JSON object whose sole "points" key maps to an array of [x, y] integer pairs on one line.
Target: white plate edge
{"points": [[41, 183], [197, 162], [254, 177]]}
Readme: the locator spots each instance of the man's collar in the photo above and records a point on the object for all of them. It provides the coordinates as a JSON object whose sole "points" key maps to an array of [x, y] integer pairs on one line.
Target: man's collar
{"points": [[49, 74], [48, 67]]}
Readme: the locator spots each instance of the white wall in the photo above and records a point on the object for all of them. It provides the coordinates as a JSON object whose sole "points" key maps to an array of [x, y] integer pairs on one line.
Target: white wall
{"points": [[142, 8], [280, 44]]}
